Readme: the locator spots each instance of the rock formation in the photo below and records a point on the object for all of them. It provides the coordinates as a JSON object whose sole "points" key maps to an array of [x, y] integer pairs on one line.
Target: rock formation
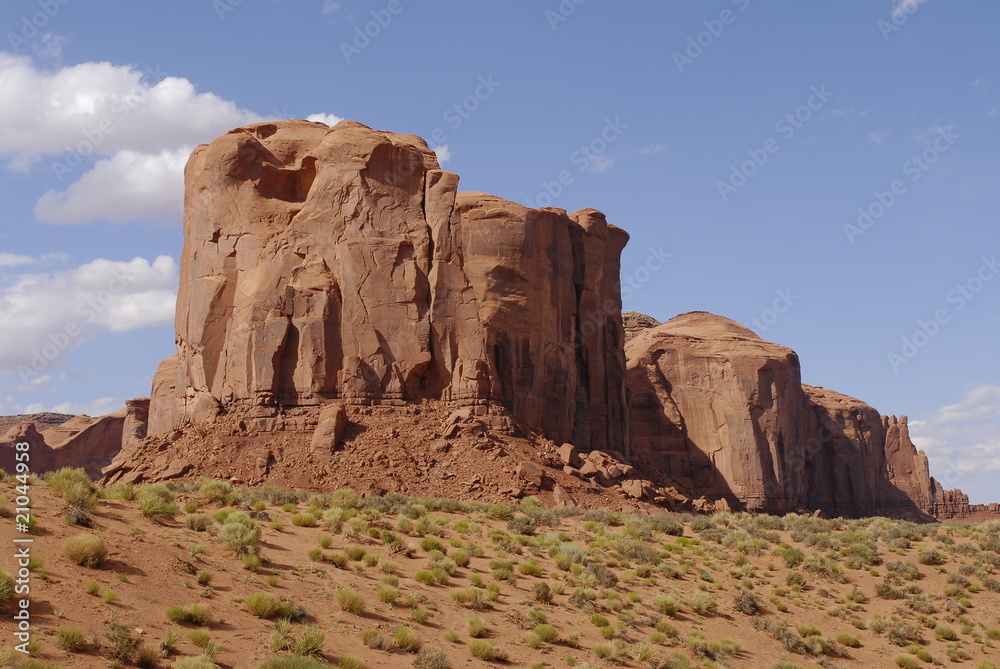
{"points": [[81, 441], [635, 323], [720, 409], [324, 264], [345, 313]]}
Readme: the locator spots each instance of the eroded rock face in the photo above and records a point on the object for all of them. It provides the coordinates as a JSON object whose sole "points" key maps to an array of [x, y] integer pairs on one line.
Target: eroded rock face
{"points": [[342, 264], [714, 404], [82, 441]]}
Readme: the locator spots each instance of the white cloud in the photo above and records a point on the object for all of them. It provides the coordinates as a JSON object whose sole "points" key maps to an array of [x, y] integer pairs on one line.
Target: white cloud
{"points": [[932, 133], [98, 407], [331, 7], [13, 260], [599, 163], [443, 153], [128, 186], [653, 149], [903, 8], [139, 121], [43, 315], [107, 107], [878, 136], [49, 46], [330, 119], [962, 440]]}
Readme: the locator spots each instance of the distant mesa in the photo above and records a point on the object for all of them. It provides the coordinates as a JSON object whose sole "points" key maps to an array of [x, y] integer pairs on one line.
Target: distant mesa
{"points": [[347, 316]]}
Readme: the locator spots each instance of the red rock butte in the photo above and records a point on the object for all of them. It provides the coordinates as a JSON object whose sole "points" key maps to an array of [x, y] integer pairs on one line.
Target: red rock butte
{"points": [[346, 316], [343, 264]]}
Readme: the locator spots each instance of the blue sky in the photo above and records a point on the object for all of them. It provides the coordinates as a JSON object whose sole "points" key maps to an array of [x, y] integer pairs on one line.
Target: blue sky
{"points": [[823, 172]]}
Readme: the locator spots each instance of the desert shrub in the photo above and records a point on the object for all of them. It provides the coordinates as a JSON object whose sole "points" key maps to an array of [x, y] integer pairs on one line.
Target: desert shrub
{"points": [[199, 522], [199, 637], [109, 596], [542, 593], [907, 662], [530, 568], [475, 626], [156, 502], [387, 595], [793, 556], [486, 650], [848, 640], [419, 615], [677, 660], [522, 524], [61, 479], [304, 520], [121, 646], [944, 633], [702, 603], [885, 590], [70, 639], [666, 605], [216, 492], [350, 600], [431, 658], [261, 604], [7, 586], [239, 537], [126, 492], [310, 642], [795, 578], [81, 502], [85, 549], [406, 639], [147, 658], [546, 632], [930, 557], [747, 603], [376, 640], [196, 662]]}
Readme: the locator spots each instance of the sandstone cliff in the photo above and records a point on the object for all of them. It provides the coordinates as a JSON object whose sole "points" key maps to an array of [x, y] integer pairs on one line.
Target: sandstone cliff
{"points": [[714, 404], [342, 264], [81, 441]]}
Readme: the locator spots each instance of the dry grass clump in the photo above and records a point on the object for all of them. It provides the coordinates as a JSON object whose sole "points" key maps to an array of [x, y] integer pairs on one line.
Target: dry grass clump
{"points": [[87, 550]]}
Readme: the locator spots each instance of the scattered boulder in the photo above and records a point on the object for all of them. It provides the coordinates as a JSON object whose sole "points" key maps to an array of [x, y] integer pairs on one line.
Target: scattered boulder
{"points": [[330, 429]]}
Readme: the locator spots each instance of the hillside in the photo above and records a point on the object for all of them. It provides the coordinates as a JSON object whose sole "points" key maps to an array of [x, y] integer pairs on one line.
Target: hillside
{"points": [[539, 587]]}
